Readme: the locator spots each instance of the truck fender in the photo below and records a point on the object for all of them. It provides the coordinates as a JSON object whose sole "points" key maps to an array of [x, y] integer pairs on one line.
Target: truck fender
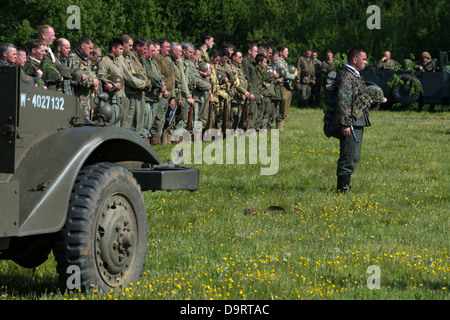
{"points": [[47, 171]]}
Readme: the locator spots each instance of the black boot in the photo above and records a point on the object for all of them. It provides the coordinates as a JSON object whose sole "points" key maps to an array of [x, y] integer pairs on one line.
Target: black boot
{"points": [[343, 183]]}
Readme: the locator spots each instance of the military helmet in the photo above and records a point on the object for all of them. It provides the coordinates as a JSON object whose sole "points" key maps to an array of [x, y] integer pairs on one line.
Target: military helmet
{"points": [[375, 93], [139, 76], [115, 78], [104, 111], [282, 72], [291, 69], [426, 55], [64, 70], [204, 67], [77, 74], [51, 73]]}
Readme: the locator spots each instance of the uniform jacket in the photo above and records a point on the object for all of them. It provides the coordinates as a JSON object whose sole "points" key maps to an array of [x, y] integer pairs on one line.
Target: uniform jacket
{"points": [[109, 66], [164, 68], [240, 87], [327, 66], [254, 77], [175, 68], [78, 62], [154, 76], [387, 65], [350, 85], [306, 69], [132, 84]]}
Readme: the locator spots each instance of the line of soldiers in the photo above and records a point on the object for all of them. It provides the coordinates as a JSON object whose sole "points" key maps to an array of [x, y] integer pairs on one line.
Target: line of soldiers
{"points": [[157, 87], [428, 64]]}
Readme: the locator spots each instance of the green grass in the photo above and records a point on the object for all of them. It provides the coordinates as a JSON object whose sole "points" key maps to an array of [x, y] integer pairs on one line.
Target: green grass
{"points": [[203, 246]]}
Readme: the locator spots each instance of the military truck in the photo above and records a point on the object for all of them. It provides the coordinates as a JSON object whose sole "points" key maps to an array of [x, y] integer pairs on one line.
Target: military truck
{"points": [[74, 187], [435, 86]]}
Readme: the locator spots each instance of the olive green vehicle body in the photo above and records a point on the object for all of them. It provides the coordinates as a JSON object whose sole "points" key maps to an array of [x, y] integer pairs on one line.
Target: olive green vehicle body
{"points": [[45, 142]]}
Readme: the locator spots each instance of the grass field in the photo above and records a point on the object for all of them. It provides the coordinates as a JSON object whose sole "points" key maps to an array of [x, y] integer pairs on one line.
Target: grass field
{"points": [[394, 226]]}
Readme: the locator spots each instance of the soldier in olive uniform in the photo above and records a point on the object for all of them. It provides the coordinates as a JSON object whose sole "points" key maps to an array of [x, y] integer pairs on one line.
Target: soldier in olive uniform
{"points": [[226, 84], [175, 64], [254, 79], [317, 86], [87, 81], [267, 92], [189, 80], [329, 64], [218, 89], [428, 64], [135, 55], [352, 115], [135, 85], [153, 96], [207, 42], [277, 97], [386, 62], [109, 72], [167, 76], [240, 95], [201, 93], [33, 65], [287, 90], [305, 66]]}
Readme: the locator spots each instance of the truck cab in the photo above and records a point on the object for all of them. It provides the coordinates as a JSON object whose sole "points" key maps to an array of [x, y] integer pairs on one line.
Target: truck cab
{"points": [[75, 187]]}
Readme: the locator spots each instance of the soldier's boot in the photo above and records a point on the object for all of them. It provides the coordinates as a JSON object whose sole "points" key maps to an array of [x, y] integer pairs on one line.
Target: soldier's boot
{"points": [[343, 184]]}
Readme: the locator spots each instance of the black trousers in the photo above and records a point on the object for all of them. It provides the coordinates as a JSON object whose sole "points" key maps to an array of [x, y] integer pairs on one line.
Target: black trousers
{"points": [[350, 152]]}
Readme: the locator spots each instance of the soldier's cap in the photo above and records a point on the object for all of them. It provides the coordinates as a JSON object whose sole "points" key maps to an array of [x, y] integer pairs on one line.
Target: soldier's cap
{"points": [[426, 55], [64, 70]]}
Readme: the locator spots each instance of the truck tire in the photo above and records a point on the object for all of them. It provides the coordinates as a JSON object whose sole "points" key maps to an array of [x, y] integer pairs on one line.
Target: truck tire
{"points": [[105, 235], [402, 92]]}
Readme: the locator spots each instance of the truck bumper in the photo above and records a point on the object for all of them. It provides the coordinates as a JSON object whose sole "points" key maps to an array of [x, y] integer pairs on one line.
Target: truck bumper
{"points": [[167, 178]]}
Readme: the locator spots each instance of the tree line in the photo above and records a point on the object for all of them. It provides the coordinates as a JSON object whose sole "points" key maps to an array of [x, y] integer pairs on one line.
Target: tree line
{"points": [[406, 26]]}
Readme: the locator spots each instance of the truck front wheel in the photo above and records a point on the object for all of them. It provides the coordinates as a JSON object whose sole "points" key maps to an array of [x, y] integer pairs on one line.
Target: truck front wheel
{"points": [[105, 235]]}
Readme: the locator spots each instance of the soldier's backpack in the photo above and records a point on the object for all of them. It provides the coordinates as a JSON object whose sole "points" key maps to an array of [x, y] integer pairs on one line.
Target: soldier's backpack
{"points": [[330, 126]]}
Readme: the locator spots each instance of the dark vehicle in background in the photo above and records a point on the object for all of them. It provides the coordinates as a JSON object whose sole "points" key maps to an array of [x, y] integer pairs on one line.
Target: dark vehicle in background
{"points": [[435, 86], [74, 187]]}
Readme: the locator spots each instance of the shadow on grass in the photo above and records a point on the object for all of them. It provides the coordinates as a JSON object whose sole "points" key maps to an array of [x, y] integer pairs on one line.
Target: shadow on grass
{"points": [[28, 285]]}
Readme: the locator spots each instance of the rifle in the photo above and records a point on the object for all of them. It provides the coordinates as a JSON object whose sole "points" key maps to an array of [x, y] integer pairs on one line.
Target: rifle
{"points": [[209, 122], [225, 114], [191, 111], [170, 118], [244, 115]]}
